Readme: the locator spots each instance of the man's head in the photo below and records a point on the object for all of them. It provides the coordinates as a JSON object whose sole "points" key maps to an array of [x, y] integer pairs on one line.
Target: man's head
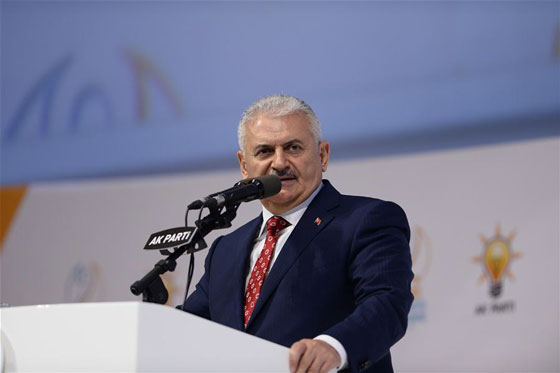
{"points": [[281, 135]]}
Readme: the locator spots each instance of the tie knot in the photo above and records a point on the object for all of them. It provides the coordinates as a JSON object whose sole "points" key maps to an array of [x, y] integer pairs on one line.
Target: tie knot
{"points": [[275, 224]]}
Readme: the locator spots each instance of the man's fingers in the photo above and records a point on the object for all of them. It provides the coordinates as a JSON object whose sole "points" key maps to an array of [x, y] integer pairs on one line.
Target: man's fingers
{"points": [[309, 355], [296, 352], [316, 365]]}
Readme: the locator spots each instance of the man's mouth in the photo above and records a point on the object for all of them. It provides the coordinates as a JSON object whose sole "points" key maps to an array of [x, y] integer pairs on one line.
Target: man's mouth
{"points": [[285, 175], [287, 178]]}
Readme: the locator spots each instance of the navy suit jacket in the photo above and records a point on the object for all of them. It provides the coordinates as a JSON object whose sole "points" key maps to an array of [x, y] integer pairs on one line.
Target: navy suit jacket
{"points": [[348, 277]]}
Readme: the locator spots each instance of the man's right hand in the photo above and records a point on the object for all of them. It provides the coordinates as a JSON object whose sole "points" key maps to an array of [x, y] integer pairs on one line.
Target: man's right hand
{"points": [[311, 355]]}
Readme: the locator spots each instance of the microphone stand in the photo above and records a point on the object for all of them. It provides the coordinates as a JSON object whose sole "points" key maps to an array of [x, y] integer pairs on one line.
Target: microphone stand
{"points": [[151, 286]]}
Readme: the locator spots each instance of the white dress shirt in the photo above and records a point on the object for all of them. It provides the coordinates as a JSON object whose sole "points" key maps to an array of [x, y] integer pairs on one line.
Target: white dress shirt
{"points": [[293, 216]]}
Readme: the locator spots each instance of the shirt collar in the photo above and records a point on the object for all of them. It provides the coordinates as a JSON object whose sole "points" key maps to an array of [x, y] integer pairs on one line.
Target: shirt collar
{"points": [[294, 214]]}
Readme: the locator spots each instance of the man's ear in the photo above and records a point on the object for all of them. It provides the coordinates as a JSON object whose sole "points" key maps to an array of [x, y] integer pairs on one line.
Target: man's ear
{"points": [[324, 152], [242, 165]]}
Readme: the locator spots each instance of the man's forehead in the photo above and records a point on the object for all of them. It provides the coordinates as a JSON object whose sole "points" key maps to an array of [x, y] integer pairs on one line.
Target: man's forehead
{"points": [[293, 127], [263, 144]]}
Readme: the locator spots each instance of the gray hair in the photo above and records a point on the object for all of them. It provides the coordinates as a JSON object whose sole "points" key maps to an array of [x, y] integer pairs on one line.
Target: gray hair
{"points": [[277, 106]]}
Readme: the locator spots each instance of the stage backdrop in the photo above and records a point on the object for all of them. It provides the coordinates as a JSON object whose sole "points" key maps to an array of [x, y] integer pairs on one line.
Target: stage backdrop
{"points": [[485, 246], [113, 88]]}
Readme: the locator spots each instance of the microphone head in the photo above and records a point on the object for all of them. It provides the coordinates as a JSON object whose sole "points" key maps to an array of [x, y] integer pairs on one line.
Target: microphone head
{"points": [[268, 185], [271, 185]]}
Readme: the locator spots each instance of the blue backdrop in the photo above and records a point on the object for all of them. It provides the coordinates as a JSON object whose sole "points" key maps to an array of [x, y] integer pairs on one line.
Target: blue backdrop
{"points": [[95, 89]]}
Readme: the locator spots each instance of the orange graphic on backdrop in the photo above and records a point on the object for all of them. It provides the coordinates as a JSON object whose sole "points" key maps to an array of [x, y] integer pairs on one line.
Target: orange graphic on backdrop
{"points": [[145, 70], [421, 250], [10, 199]]}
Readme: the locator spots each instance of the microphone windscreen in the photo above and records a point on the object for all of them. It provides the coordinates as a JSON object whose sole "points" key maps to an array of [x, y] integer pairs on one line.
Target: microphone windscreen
{"points": [[271, 185]]}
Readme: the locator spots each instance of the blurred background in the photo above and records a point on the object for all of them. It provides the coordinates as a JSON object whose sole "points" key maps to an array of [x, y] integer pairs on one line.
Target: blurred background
{"points": [[115, 115]]}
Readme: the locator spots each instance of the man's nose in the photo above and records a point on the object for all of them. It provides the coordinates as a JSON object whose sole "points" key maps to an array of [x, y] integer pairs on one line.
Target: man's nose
{"points": [[279, 162]]}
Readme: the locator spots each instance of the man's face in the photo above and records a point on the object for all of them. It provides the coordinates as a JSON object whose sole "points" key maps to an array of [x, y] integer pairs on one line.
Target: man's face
{"points": [[284, 146]]}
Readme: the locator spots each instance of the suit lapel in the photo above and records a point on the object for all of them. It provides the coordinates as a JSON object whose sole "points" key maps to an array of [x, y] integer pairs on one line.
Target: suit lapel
{"points": [[322, 207], [245, 241]]}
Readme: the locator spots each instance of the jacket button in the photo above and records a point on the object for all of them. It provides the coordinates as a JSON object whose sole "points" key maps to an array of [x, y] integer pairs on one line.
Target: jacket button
{"points": [[364, 365]]}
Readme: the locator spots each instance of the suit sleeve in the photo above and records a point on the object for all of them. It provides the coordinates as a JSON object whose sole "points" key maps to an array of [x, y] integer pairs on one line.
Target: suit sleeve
{"points": [[379, 268], [198, 302]]}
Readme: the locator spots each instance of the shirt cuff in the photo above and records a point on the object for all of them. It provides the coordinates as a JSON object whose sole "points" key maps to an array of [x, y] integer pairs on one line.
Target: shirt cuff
{"points": [[334, 343]]}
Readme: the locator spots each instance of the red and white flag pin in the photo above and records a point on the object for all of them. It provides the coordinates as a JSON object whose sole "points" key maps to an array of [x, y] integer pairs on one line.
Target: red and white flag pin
{"points": [[318, 221]]}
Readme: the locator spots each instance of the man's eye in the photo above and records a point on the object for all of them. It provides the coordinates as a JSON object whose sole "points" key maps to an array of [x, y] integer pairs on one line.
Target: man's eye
{"points": [[262, 152], [294, 148]]}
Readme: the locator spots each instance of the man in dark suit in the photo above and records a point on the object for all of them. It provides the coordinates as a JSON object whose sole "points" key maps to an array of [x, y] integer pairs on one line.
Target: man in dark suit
{"points": [[324, 273]]}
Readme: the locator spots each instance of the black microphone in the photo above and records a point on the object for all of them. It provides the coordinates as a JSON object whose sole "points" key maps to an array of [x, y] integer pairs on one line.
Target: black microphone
{"points": [[243, 191]]}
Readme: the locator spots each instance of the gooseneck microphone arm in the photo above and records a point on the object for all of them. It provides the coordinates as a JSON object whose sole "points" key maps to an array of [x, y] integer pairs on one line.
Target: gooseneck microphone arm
{"points": [[151, 286]]}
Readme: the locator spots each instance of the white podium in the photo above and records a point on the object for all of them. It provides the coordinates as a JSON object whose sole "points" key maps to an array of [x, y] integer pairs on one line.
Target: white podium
{"points": [[126, 337]]}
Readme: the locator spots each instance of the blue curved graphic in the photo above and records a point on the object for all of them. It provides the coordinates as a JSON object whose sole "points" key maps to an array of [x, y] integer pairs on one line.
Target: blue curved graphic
{"points": [[88, 95], [42, 93]]}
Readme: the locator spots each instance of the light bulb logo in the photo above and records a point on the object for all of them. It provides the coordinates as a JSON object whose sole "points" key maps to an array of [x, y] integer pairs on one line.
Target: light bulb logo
{"points": [[496, 258]]}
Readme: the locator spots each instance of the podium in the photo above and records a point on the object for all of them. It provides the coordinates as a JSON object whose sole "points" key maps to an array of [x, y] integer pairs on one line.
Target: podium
{"points": [[126, 337]]}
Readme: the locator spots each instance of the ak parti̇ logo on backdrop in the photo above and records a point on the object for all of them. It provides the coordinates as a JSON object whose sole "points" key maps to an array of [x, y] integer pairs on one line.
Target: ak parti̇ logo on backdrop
{"points": [[496, 261]]}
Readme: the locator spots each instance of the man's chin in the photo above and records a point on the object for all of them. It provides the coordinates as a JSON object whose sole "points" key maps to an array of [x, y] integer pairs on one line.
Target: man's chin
{"points": [[281, 201], [280, 198]]}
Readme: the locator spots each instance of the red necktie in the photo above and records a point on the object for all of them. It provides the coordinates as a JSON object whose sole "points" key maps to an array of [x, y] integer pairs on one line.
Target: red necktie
{"points": [[273, 226]]}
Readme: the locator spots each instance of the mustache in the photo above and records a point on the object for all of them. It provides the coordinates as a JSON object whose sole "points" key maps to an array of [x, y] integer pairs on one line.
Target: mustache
{"points": [[286, 173]]}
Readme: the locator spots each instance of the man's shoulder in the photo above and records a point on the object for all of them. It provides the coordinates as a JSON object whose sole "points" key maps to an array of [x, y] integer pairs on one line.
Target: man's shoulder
{"points": [[369, 214], [352, 199], [363, 207], [362, 203]]}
